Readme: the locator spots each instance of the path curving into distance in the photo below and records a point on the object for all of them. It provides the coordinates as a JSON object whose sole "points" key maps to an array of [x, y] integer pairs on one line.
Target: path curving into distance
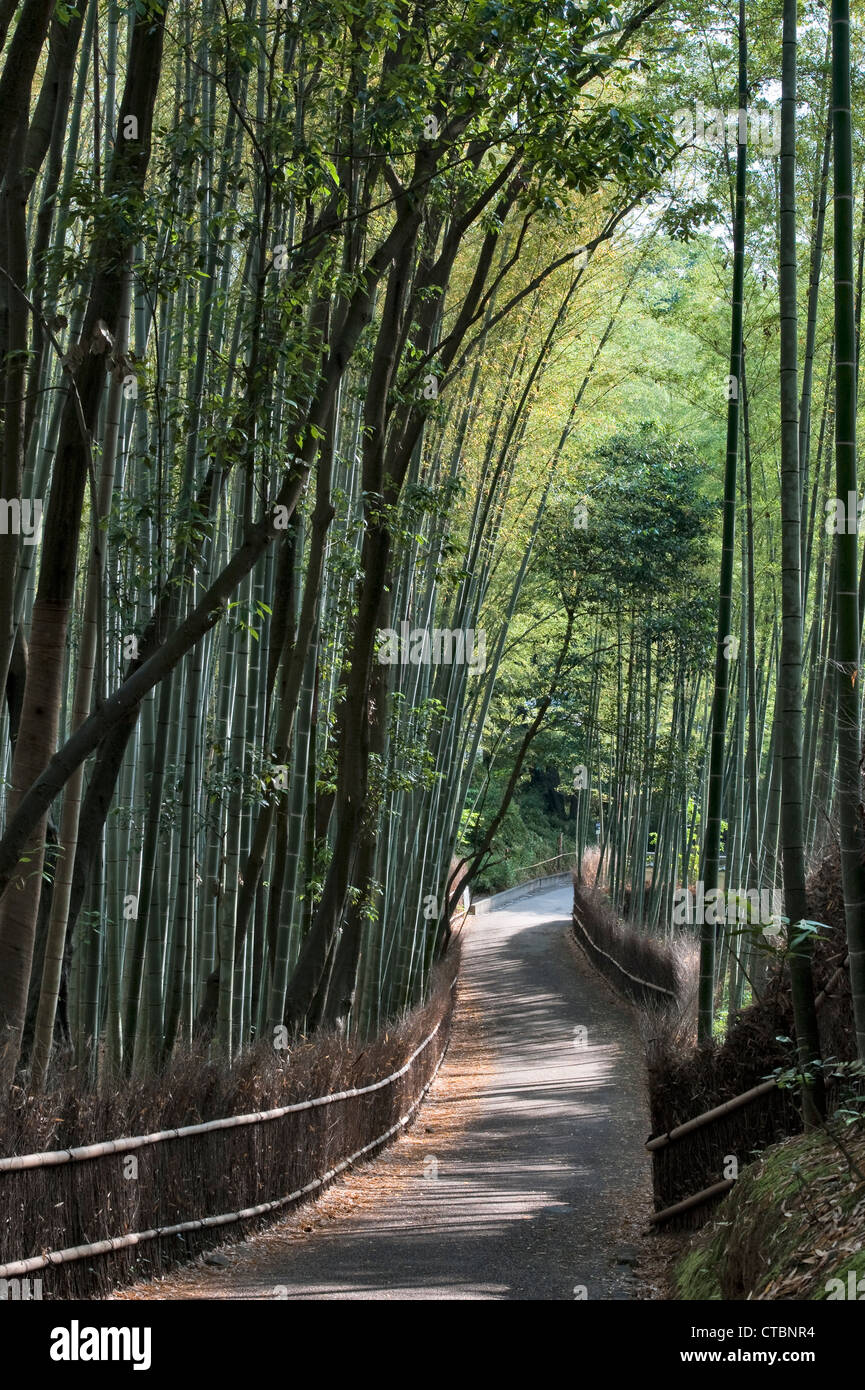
{"points": [[513, 1181]]}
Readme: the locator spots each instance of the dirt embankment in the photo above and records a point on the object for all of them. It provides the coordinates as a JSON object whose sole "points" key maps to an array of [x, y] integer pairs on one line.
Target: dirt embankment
{"points": [[793, 1227]]}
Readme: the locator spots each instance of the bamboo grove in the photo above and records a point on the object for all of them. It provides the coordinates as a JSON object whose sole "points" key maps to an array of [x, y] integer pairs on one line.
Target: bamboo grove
{"points": [[390, 404], [263, 267], [718, 735]]}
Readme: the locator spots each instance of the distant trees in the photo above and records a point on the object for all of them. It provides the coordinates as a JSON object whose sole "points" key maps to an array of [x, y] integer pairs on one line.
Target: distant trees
{"points": [[621, 557]]}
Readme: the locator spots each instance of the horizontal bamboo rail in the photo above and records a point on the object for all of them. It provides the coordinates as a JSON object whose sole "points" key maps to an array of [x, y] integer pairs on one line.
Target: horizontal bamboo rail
{"points": [[661, 989], [116, 1146], [831, 982], [697, 1200], [541, 862], [708, 1116], [105, 1247]]}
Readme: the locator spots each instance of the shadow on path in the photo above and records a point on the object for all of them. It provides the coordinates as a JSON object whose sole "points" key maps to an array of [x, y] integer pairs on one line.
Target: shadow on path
{"points": [[511, 1183]]}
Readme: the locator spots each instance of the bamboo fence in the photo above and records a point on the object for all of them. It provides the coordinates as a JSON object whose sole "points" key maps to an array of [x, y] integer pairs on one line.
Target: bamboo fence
{"points": [[188, 1176]]}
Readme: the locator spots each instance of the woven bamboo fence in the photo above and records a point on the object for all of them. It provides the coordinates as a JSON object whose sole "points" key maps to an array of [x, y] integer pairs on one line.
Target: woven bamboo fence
{"points": [[85, 1219], [694, 1164]]}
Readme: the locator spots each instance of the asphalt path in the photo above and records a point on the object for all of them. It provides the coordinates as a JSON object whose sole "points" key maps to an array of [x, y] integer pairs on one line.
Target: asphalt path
{"points": [[515, 1178]]}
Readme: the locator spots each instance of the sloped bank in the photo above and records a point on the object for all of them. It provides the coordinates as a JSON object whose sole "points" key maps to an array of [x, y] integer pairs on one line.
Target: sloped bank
{"points": [[792, 1228]]}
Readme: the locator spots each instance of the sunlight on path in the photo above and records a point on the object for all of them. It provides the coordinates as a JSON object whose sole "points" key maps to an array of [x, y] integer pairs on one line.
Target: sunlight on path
{"points": [[524, 1165]]}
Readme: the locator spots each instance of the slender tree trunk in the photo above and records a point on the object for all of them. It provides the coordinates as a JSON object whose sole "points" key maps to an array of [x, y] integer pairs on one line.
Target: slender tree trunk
{"points": [[712, 834], [92, 633], [846, 541], [40, 717], [789, 692]]}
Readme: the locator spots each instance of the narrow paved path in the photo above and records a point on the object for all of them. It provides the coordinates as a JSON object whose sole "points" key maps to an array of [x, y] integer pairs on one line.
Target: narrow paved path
{"points": [[525, 1161]]}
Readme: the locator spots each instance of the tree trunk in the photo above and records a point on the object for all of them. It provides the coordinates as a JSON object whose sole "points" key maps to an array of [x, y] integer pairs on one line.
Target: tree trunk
{"points": [[40, 719], [712, 839], [846, 541], [789, 691]]}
